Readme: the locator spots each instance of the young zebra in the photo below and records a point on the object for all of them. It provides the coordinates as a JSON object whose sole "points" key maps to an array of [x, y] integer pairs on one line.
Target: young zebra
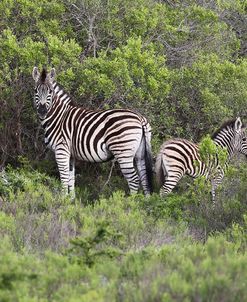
{"points": [[73, 132], [178, 157]]}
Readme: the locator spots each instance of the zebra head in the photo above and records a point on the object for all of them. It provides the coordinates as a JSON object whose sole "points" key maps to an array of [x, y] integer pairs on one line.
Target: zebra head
{"points": [[240, 137], [44, 90]]}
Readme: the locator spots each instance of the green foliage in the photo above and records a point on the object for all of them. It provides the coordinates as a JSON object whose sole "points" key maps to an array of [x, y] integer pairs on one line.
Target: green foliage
{"points": [[187, 273], [172, 206], [175, 272], [205, 94], [209, 151], [121, 248], [16, 181], [237, 234], [7, 224], [131, 72], [174, 63], [230, 206], [85, 250]]}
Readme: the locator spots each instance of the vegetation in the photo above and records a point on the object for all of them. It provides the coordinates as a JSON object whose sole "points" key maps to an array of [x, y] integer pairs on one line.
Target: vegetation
{"points": [[180, 63], [121, 248]]}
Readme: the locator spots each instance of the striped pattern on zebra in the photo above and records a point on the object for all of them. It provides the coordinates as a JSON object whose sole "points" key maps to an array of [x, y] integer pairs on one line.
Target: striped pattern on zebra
{"points": [[73, 132], [178, 157]]}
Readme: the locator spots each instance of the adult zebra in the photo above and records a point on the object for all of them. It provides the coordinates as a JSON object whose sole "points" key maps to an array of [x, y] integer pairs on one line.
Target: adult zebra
{"points": [[73, 132], [178, 157]]}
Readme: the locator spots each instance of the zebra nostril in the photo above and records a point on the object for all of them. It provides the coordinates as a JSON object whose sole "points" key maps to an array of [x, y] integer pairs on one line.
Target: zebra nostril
{"points": [[42, 110]]}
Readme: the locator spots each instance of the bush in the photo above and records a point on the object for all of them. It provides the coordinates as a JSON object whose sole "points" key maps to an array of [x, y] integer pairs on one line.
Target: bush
{"points": [[120, 248]]}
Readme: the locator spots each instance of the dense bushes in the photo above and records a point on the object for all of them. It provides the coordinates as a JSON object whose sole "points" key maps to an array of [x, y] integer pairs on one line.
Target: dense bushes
{"points": [[120, 248], [175, 62], [190, 272]]}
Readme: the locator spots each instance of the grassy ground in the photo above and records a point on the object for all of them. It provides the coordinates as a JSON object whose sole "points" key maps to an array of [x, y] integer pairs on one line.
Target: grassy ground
{"points": [[120, 248]]}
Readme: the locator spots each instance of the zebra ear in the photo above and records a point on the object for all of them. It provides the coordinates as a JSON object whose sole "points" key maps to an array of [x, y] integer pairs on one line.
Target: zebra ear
{"points": [[52, 74], [36, 74], [238, 124]]}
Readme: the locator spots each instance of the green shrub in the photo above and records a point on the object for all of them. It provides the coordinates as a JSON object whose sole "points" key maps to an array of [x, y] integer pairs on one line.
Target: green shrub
{"points": [[25, 179], [135, 248], [190, 272]]}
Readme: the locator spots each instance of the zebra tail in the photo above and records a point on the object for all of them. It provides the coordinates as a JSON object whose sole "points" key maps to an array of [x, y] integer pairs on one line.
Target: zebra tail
{"points": [[160, 177], [148, 160]]}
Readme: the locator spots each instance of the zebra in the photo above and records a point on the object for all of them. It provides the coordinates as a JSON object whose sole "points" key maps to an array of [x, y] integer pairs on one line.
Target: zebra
{"points": [[178, 157], [74, 132]]}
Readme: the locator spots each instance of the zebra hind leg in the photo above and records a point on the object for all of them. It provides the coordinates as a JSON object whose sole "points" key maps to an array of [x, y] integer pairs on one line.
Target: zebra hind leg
{"points": [[171, 180], [142, 168], [127, 168]]}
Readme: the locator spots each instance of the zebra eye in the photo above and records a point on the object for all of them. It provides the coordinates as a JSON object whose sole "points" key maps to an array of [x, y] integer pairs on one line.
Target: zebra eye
{"points": [[244, 139]]}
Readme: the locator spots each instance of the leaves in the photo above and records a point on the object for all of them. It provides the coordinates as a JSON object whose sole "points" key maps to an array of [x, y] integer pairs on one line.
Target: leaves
{"points": [[181, 64]]}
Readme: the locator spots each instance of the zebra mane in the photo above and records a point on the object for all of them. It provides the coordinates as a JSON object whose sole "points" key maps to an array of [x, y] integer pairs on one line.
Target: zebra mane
{"points": [[43, 75], [229, 123]]}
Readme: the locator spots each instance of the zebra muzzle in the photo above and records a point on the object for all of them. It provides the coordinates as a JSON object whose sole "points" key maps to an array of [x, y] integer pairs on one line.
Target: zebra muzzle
{"points": [[42, 111]]}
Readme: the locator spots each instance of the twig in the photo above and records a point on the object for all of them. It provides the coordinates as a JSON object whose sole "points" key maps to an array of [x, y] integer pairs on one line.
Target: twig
{"points": [[109, 176]]}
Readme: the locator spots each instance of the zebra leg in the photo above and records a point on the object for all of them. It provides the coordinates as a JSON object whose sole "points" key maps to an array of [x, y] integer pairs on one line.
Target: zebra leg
{"points": [[63, 162], [171, 180], [142, 169], [214, 185], [71, 185], [213, 192], [216, 181], [127, 168]]}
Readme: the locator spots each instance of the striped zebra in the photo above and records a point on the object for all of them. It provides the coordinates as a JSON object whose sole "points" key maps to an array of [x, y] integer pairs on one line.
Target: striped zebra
{"points": [[178, 157], [73, 132]]}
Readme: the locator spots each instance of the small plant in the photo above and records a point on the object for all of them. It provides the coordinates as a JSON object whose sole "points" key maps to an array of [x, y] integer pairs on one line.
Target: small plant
{"points": [[89, 249], [25, 179], [237, 234]]}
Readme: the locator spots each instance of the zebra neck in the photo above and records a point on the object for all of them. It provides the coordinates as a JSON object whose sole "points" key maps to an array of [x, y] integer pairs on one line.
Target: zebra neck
{"points": [[61, 103], [224, 141], [60, 94]]}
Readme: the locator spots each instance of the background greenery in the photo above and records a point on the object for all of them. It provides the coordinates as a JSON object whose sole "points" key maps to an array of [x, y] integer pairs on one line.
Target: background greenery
{"points": [[180, 63]]}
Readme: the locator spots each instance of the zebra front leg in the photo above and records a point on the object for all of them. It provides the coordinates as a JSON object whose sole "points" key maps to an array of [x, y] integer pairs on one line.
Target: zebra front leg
{"points": [[71, 185], [214, 185], [216, 181], [213, 194], [63, 163]]}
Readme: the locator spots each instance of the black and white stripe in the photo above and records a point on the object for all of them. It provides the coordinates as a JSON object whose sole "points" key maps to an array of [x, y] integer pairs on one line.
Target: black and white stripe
{"points": [[178, 157], [73, 132]]}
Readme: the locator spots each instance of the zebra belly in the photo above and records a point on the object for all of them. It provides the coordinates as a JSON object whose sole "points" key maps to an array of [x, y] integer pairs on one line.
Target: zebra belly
{"points": [[100, 155]]}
